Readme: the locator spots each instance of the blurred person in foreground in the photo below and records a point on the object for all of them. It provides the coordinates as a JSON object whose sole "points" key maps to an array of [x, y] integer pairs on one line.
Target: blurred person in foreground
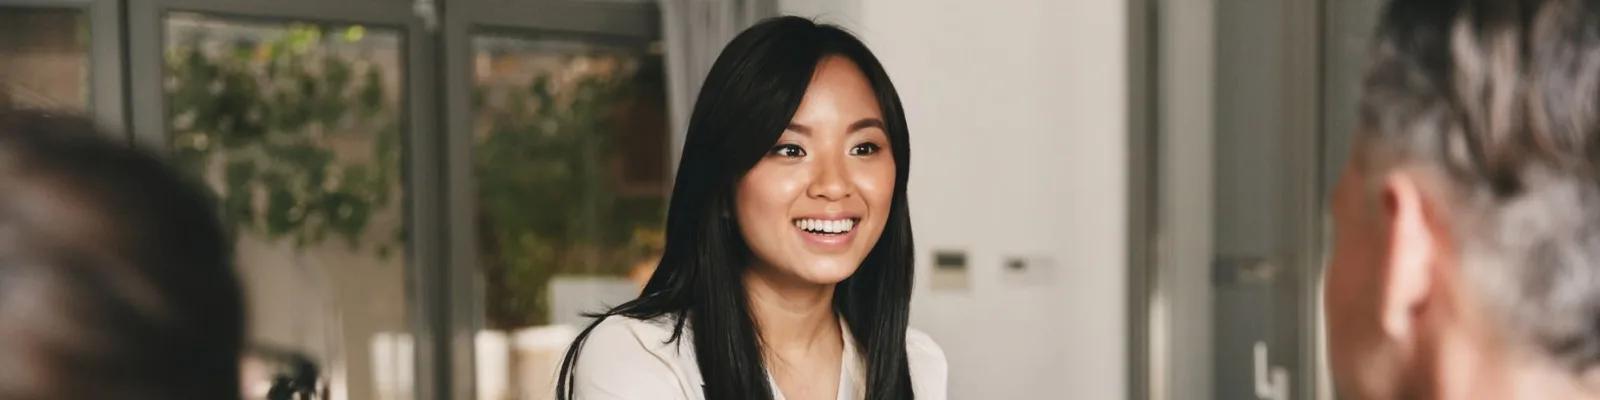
{"points": [[115, 275], [1466, 262]]}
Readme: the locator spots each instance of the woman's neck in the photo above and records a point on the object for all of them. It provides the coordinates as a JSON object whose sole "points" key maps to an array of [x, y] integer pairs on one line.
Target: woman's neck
{"points": [[793, 319]]}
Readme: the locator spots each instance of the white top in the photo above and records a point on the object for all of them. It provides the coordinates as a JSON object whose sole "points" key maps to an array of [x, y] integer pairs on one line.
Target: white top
{"points": [[630, 359]]}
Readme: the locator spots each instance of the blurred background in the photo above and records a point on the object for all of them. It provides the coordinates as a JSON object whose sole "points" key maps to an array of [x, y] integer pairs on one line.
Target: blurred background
{"points": [[1112, 198]]}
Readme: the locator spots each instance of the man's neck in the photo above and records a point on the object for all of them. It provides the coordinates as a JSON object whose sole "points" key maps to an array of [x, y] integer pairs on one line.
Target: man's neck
{"points": [[1548, 381], [1476, 370]]}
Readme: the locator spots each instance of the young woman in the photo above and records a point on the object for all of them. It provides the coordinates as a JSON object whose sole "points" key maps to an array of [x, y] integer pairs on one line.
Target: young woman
{"points": [[787, 270]]}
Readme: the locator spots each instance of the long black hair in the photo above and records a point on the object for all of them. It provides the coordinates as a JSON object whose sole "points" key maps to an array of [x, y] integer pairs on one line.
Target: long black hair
{"points": [[748, 99]]}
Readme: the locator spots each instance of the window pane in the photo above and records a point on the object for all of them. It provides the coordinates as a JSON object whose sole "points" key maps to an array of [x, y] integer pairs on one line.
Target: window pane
{"points": [[44, 58], [296, 127], [570, 158]]}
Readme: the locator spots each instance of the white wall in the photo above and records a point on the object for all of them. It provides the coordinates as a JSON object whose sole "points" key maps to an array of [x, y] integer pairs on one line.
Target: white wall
{"points": [[846, 13], [1017, 112]]}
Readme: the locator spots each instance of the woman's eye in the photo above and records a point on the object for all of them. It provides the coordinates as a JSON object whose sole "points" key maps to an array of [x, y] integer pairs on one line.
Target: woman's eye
{"points": [[864, 149], [788, 151]]}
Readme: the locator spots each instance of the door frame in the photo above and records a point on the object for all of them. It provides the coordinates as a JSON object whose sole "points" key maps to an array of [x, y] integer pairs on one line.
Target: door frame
{"points": [[1142, 57]]}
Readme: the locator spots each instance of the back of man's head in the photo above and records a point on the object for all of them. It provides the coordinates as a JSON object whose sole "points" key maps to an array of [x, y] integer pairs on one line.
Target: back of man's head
{"points": [[1502, 97], [1468, 223], [115, 276]]}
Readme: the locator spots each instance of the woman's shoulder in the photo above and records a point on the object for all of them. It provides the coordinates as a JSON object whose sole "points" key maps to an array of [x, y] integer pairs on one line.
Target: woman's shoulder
{"points": [[625, 337], [623, 332], [930, 372], [627, 357], [921, 347]]}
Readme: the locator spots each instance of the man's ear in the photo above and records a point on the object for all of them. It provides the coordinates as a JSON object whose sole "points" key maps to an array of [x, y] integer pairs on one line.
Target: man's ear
{"points": [[1413, 249]]}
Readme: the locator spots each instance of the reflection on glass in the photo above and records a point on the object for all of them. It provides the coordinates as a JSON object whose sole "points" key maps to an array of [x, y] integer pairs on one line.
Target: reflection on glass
{"points": [[569, 153], [44, 58], [295, 127]]}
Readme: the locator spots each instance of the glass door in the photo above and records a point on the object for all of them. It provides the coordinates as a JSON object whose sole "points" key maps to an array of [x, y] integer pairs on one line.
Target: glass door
{"points": [[423, 203], [304, 120], [62, 55], [559, 108], [1264, 259], [1233, 158], [46, 57]]}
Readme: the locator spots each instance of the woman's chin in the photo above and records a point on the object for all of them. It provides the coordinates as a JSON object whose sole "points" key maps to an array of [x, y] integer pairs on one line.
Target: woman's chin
{"points": [[827, 270], [799, 267]]}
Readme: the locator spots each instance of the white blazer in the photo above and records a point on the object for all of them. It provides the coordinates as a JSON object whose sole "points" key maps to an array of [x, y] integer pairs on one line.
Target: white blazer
{"points": [[630, 359]]}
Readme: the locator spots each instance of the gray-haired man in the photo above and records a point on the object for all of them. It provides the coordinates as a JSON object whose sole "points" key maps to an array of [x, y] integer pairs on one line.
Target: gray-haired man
{"points": [[1467, 255]]}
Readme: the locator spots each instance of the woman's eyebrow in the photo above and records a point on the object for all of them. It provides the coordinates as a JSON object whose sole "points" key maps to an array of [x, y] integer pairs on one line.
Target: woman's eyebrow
{"points": [[800, 129], [865, 123]]}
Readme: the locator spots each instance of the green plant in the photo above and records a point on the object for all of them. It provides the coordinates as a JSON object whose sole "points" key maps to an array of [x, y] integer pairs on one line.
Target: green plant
{"points": [[547, 184], [279, 125], [269, 121]]}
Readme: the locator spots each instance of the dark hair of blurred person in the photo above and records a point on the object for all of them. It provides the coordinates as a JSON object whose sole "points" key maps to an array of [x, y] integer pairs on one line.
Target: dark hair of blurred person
{"points": [[116, 279], [797, 126]]}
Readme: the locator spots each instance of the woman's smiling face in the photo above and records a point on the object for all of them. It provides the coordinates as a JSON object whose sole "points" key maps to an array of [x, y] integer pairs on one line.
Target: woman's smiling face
{"points": [[815, 205]]}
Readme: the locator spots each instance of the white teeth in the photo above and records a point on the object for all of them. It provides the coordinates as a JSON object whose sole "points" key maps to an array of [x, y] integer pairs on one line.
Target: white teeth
{"points": [[825, 226]]}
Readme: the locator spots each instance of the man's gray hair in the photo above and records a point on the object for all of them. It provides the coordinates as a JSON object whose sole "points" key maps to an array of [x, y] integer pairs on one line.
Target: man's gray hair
{"points": [[1501, 96]]}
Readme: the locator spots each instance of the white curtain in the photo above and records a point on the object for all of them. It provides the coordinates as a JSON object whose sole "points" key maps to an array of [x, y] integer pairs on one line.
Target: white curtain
{"points": [[694, 32]]}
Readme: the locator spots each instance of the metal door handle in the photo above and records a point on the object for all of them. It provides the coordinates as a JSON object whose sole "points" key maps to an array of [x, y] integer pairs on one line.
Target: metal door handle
{"points": [[1243, 271], [1273, 385]]}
